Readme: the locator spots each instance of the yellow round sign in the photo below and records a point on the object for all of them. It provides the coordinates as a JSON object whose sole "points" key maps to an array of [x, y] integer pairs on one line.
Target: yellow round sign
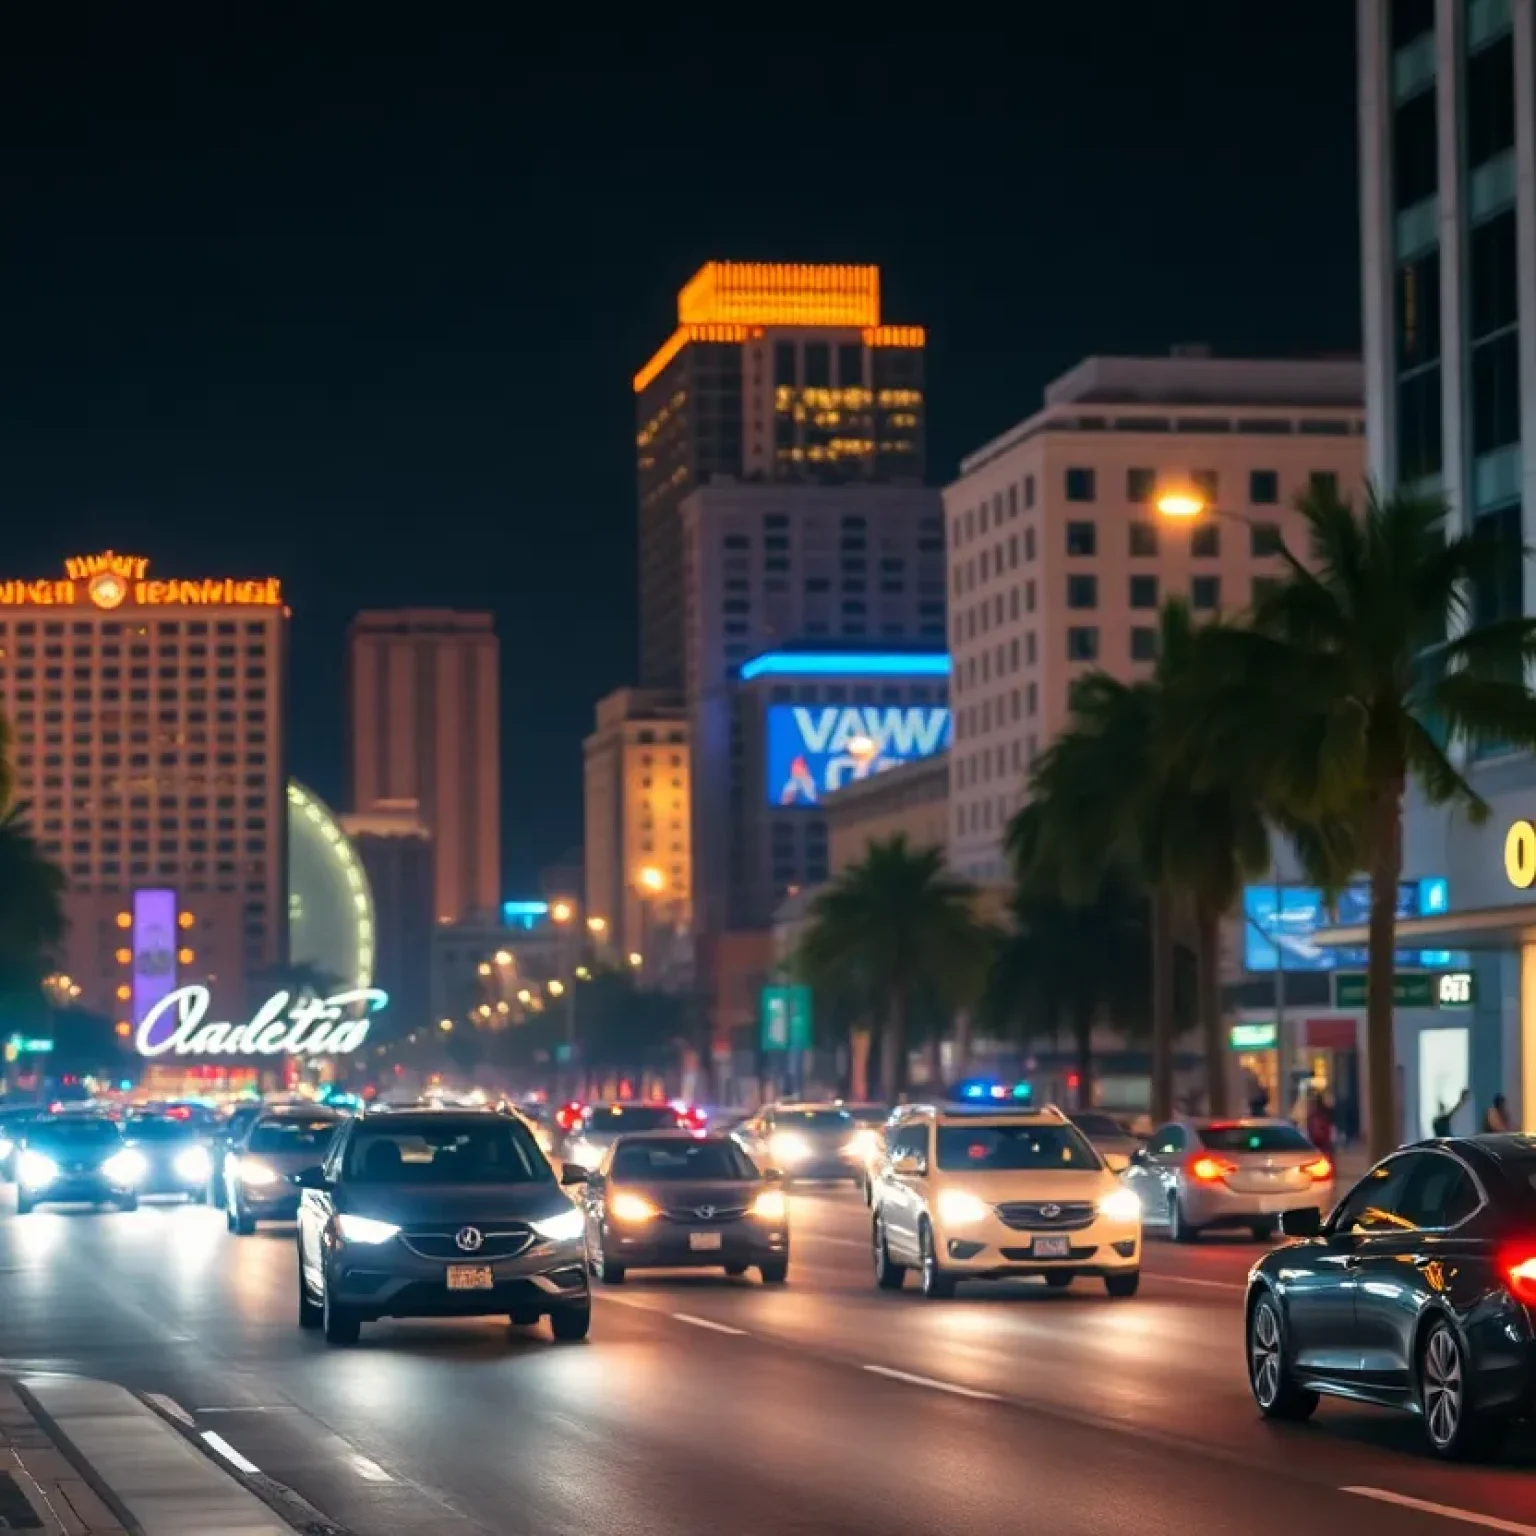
{"points": [[1520, 855]]}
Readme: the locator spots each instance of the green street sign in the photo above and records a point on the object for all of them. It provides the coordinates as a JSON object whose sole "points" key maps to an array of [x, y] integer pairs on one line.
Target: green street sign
{"points": [[786, 1018], [1255, 1037], [1410, 989], [35, 1045]]}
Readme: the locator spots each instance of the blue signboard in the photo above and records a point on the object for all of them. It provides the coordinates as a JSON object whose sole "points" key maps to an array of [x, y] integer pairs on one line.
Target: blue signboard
{"points": [[1279, 922], [814, 749]]}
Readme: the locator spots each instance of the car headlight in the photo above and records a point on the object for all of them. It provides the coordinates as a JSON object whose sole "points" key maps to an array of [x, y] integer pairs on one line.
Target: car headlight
{"points": [[194, 1165], [565, 1227], [770, 1206], [585, 1155], [35, 1169], [365, 1229], [788, 1147], [255, 1172], [864, 1145], [125, 1167], [959, 1209], [1120, 1205], [625, 1206]]}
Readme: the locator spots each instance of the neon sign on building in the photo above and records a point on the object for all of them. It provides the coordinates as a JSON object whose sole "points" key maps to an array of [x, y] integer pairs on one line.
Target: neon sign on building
{"points": [[110, 580], [306, 1026]]}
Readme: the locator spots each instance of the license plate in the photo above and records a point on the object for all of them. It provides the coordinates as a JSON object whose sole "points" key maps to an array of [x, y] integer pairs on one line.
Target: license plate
{"points": [[470, 1277], [1051, 1248], [704, 1242]]}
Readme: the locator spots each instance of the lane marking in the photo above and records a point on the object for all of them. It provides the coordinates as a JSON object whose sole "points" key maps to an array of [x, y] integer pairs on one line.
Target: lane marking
{"points": [[928, 1381], [1210, 1285], [369, 1471], [714, 1327], [171, 1408], [230, 1454], [1445, 1511]]}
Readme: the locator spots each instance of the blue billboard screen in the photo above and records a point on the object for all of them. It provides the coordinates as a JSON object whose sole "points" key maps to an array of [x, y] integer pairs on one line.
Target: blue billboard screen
{"points": [[814, 749], [1279, 922]]}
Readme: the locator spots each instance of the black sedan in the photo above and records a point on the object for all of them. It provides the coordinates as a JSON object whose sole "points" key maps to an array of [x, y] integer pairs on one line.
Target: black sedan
{"points": [[175, 1153], [439, 1213], [685, 1202], [76, 1160], [1417, 1293]]}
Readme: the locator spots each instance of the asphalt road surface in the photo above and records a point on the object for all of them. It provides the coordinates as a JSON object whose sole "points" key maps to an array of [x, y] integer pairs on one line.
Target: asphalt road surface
{"points": [[706, 1405]]}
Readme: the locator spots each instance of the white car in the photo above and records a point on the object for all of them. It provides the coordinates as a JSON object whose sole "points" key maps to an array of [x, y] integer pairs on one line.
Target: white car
{"points": [[997, 1194]]}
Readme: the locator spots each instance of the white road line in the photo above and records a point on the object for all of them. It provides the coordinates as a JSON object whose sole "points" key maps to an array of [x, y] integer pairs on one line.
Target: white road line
{"points": [[928, 1381], [704, 1322], [1210, 1285], [1445, 1511], [170, 1407], [229, 1453], [369, 1471]]}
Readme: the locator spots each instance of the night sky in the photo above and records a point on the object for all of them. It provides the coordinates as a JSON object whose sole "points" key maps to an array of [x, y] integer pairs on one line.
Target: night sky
{"points": [[355, 298]]}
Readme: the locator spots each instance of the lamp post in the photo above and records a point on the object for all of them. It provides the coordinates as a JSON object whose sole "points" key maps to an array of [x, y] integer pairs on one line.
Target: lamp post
{"points": [[650, 882], [562, 913]]}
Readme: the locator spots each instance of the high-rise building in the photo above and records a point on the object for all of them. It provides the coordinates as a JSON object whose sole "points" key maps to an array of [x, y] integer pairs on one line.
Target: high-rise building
{"points": [[775, 373], [639, 862], [148, 716], [1059, 562], [1448, 234], [425, 726]]}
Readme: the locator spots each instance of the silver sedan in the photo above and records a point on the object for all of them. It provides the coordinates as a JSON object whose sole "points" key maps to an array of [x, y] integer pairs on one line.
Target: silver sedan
{"points": [[1199, 1174]]}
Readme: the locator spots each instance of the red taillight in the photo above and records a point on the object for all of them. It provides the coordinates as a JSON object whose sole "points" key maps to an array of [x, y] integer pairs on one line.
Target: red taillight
{"points": [[567, 1115], [1319, 1169], [1520, 1276], [1210, 1170]]}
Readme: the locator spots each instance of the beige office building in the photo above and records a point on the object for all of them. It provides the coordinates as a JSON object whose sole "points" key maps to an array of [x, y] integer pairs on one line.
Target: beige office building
{"points": [[424, 708], [1059, 559], [148, 716], [638, 856]]}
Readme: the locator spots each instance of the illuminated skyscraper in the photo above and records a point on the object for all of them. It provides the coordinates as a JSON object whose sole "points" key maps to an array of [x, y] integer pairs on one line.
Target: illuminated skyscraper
{"points": [[424, 709], [775, 373]]}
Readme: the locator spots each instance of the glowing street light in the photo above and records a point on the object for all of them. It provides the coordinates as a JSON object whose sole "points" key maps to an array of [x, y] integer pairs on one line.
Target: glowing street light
{"points": [[485, 967], [597, 926], [556, 988], [652, 879], [503, 957], [446, 1025], [636, 959], [524, 996], [1180, 503], [583, 974], [562, 911]]}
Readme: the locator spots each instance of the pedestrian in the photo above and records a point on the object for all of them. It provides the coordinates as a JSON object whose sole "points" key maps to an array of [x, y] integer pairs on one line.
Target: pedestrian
{"points": [[1441, 1124], [1497, 1118], [1320, 1124], [1258, 1101]]}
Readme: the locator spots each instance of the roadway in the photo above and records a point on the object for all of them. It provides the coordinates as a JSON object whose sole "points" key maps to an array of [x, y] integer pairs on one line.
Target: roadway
{"points": [[702, 1404]]}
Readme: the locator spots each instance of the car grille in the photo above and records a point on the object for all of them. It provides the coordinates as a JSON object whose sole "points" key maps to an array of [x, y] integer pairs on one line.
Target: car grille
{"points": [[694, 1214], [1047, 1215], [442, 1243], [1028, 1255]]}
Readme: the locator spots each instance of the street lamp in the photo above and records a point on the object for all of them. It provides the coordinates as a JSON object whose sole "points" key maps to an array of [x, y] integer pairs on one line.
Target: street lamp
{"points": [[446, 1025], [652, 880], [1180, 503], [636, 959], [597, 926], [524, 996], [503, 957], [562, 911], [557, 988]]}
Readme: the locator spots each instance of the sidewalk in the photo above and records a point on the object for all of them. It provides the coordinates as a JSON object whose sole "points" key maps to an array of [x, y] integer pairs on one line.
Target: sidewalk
{"points": [[87, 1458]]}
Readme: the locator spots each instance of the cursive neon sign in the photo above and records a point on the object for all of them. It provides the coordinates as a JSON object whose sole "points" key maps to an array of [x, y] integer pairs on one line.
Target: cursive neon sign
{"points": [[313, 1026]]}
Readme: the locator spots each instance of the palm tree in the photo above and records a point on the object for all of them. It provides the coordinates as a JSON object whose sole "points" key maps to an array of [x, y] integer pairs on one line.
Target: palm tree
{"points": [[32, 921], [1068, 963], [890, 927], [1368, 668]]}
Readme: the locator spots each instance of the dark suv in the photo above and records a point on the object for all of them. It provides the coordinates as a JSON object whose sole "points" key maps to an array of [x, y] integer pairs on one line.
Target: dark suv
{"points": [[439, 1213]]}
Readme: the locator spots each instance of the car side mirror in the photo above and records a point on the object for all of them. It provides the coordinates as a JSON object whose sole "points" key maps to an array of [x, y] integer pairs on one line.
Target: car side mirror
{"points": [[1116, 1162], [909, 1165], [1305, 1221], [574, 1173], [309, 1178]]}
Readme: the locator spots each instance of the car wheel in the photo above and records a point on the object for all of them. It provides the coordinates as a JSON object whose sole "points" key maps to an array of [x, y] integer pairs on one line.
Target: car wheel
{"points": [[128, 1203], [1269, 1374], [342, 1325], [735, 1271], [606, 1270], [1179, 1228], [937, 1285], [570, 1325], [888, 1276], [774, 1273], [311, 1313], [25, 1204], [1059, 1279], [1262, 1231], [1124, 1284], [241, 1223], [1453, 1427]]}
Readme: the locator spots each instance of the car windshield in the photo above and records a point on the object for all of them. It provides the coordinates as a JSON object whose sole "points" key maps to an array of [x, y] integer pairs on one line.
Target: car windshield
{"points": [[75, 1133], [813, 1119], [292, 1135], [1002, 1148], [640, 1162], [1098, 1125], [618, 1119], [869, 1114], [150, 1128], [1252, 1138], [488, 1151]]}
